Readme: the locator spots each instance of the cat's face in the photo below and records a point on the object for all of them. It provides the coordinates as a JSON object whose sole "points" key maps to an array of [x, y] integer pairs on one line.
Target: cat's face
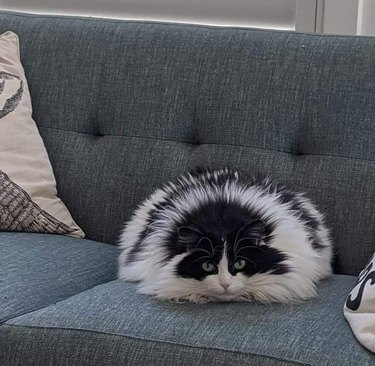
{"points": [[220, 262]]}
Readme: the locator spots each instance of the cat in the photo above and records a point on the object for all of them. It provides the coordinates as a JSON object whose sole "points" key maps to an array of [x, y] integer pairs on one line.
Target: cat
{"points": [[221, 235]]}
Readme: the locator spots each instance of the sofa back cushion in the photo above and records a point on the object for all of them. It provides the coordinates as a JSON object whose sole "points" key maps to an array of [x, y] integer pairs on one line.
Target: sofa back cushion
{"points": [[125, 106]]}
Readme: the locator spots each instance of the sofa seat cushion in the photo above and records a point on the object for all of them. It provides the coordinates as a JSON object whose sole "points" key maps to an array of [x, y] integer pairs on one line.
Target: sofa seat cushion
{"points": [[113, 325], [37, 270]]}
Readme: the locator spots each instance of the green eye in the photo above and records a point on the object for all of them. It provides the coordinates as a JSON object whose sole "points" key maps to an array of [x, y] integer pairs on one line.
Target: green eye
{"points": [[240, 264], [208, 267]]}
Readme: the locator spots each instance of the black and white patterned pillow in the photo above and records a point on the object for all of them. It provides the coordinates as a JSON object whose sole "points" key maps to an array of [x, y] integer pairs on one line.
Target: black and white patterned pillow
{"points": [[28, 195], [359, 308]]}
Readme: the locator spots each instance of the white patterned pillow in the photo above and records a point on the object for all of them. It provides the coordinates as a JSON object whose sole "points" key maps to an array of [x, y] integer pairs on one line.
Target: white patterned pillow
{"points": [[359, 309], [28, 196]]}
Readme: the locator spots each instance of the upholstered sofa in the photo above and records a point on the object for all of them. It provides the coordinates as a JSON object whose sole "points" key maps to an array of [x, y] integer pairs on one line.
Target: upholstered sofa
{"points": [[124, 106]]}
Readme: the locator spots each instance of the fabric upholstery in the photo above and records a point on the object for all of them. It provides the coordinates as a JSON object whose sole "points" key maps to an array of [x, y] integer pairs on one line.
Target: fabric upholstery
{"points": [[125, 106], [37, 270], [113, 325]]}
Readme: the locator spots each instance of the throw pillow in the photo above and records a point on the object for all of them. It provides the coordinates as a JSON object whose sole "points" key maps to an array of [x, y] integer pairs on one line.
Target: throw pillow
{"points": [[28, 196], [359, 309]]}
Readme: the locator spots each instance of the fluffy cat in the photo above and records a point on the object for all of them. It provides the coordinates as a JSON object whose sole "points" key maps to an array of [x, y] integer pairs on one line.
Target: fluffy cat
{"points": [[219, 235]]}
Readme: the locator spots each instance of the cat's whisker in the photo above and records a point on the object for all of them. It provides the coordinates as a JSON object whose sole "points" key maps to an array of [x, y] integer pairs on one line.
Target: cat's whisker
{"points": [[201, 250], [212, 246], [245, 258], [199, 259], [236, 238], [205, 237], [247, 296], [252, 247], [238, 232], [248, 238]]}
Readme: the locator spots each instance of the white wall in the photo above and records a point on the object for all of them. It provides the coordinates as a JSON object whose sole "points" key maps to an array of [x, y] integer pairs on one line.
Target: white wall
{"points": [[280, 14], [326, 16], [366, 22], [340, 16], [348, 17]]}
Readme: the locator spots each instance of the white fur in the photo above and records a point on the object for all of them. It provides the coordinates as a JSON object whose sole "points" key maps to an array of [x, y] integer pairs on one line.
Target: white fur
{"points": [[290, 236]]}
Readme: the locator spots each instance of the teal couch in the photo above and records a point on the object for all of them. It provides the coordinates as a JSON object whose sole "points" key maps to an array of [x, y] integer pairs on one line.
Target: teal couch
{"points": [[124, 106]]}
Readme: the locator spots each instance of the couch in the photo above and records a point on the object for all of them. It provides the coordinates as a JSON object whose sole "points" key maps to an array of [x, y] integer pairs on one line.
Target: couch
{"points": [[123, 106]]}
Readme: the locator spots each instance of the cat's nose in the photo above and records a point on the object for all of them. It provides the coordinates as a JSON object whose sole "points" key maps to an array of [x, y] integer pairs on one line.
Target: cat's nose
{"points": [[225, 284]]}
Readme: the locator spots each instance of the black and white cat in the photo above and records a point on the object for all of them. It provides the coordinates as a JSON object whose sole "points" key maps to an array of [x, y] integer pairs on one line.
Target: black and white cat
{"points": [[219, 235]]}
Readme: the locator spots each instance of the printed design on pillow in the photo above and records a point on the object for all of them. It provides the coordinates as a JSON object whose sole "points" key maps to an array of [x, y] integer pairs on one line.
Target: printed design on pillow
{"points": [[19, 213], [368, 274], [13, 85]]}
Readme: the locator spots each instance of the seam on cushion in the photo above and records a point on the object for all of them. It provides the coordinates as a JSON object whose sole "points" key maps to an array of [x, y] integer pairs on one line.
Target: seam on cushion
{"points": [[213, 144], [306, 79], [198, 85], [299, 363], [120, 136], [65, 130], [204, 26], [53, 303]]}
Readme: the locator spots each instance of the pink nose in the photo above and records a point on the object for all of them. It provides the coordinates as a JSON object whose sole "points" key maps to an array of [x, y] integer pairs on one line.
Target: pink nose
{"points": [[225, 284]]}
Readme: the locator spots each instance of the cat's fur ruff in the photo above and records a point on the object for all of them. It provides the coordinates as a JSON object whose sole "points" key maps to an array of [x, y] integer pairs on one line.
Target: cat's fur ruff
{"points": [[190, 237]]}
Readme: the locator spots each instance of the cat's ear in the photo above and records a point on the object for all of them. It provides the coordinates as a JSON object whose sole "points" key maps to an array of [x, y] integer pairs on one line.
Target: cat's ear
{"points": [[185, 232], [255, 228]]}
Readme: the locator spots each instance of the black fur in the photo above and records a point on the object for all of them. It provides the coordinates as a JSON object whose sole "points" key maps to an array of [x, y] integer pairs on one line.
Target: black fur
{"points": [[204, 232]]}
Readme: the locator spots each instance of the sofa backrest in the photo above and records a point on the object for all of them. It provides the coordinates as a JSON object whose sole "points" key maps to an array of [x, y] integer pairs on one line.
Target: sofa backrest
{"points": [[125, 106]]}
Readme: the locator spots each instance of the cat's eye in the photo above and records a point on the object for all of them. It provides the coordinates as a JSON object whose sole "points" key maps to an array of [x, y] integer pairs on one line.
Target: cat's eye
{"points": [[208, 267], [240, 264]]}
